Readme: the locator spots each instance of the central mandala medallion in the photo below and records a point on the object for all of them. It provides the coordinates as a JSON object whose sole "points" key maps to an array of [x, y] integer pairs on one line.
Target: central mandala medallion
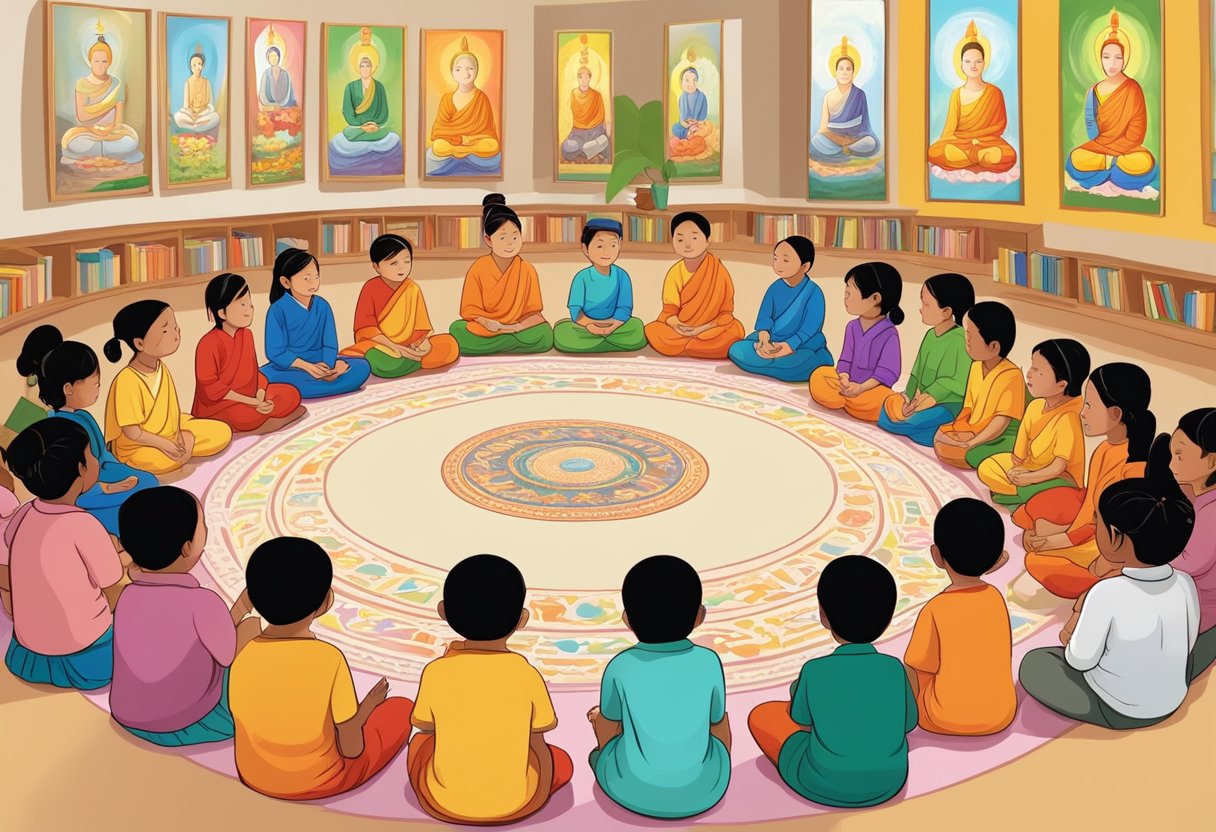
{"points": [[574, 470]]}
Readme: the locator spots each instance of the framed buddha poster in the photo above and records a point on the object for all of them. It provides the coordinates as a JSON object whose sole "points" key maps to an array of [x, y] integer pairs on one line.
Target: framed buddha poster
{"points": [[274, 100], [692, 99], [584, 106], [362, 103], [974, 145], [1112, 100], [97, 101], [195, 80], [463, 131], [847, 141], [1207, 39]]}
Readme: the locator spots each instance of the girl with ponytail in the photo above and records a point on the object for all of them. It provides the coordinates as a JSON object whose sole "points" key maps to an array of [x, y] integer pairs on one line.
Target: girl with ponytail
{"points": [[69, 382], [1132, 649], [869, 361], [1193, 464], [1059, 523], [145, 425]]}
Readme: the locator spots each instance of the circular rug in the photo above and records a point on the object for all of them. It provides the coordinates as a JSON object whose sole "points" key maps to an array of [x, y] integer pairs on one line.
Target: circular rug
{"points": [[574, 470], [400, 481]]}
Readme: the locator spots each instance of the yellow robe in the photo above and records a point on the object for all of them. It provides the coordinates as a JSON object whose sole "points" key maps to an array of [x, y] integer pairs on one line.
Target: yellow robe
{"points": [[151, 403], [1042, 437]]}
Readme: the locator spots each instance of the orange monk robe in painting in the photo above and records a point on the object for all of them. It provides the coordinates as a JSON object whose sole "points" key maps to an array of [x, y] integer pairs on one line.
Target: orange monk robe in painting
{"points": [[706, 296], [587, 109], [1115, 152], [400, 315], [474, 122], [971, 139]]}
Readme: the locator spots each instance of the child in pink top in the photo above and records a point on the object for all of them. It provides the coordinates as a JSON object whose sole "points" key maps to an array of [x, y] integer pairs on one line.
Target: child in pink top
{"points": [[8, 506], [1193, 463], [59, 563]]}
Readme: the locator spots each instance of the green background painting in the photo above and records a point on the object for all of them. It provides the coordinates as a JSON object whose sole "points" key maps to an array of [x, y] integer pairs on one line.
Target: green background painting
{"points": [[1082, 22], [389, 42]]}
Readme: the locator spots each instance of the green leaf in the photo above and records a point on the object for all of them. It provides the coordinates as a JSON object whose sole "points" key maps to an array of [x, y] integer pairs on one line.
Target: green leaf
{"points": [[627, 165], [650, 132], [669, 170], [625, 123]]}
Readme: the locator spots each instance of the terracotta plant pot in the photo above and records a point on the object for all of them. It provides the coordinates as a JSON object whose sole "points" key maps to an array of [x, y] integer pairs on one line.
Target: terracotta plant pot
{"points": [[643, 199]]}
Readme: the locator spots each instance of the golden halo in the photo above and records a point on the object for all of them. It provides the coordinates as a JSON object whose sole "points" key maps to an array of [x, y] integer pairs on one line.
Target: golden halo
{"points": [[364, 49], [972, 36], [844, 50], [1114, 34]]}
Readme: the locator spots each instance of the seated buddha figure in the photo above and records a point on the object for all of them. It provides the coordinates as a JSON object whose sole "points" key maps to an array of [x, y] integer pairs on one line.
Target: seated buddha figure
{"points": [[844, 123], [690, 133], [464, 137], [198, 114], [1116, 121], [100, 103], [976, 118], [588, 137], [366, 146], [274, 89]]}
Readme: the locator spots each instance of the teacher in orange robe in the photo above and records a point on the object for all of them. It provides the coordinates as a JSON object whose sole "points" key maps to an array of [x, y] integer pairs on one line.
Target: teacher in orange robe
{"points": [[464, 137], [698, 297]]}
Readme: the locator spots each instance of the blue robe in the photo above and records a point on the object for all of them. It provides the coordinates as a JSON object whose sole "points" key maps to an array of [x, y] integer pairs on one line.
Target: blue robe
{"points": [[693, 105], [95, 501], [853, 122], [310, 334], [601, 297], [791, 315]]}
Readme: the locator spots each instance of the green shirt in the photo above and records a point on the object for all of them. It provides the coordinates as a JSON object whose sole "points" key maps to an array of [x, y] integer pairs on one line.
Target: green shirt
{"points": [[664, 763], [857, 707], [941, 367]]}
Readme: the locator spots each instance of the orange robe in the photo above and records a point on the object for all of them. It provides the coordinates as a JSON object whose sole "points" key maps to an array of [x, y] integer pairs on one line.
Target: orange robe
{"points": [[507, 297], [973, 128], [587, 108], [1122, 122], [400, 315], [706, 296], [476, 120]]}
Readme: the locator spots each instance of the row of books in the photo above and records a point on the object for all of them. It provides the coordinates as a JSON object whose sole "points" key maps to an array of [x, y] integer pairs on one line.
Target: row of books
{"points": [[245, 251], [368, 232], [335, 238], [149, 262], [1196, 311], [24, 286], [647, 229], [97, 269], [770, 229], [1102, 286], [460, 232], [955, 243], [205, 254], [1044, 272], [872, 233]]}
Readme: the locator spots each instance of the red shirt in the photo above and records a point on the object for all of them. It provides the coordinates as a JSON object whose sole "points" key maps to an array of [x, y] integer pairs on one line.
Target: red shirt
{"points": [[224, 362]]}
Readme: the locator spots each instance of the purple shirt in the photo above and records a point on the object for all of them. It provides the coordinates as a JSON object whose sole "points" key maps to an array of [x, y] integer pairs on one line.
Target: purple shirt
{"points": [[172, 641], [1198, 559], [873, 353]]}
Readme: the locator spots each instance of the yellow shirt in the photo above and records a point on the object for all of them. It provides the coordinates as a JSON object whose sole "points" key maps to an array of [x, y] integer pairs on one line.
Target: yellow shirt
{"points": [[1000, 393], [673, 283], [483, 708], [1043, 436], [286, 695]]}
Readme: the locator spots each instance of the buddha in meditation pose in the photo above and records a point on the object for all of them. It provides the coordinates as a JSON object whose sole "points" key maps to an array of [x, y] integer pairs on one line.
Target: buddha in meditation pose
{"points": [[464, 138], [690, 134], [971, 139], [274, 90], [844, 124], [100, 103], [1116, 121], [588, 138], [198, 114], [366, 146]]}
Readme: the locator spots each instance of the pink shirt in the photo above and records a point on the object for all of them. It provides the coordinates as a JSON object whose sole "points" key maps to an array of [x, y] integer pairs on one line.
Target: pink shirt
{"points": [[59, 558], [172, 641], [8, 504], [1198, 559]]}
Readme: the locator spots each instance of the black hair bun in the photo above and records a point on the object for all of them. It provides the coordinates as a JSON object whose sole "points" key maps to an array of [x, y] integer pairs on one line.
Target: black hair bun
{"points": [[112, 350], [896, 315], [493, 199], [38, 345]]}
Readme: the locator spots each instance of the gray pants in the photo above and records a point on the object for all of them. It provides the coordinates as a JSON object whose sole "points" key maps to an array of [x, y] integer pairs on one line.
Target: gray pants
{"points": [[1047, 676]]}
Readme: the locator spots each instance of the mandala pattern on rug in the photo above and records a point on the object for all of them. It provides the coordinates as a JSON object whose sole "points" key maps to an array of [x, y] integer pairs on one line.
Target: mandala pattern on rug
{"points": [[574, 470], [762, 615]]}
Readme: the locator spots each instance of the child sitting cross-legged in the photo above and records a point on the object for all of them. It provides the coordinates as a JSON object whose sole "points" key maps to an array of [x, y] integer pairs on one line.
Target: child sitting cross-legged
{"points": [[301, 733], [482, 712], [960, 656], [840, 740], [661, 729], [174, 640]]}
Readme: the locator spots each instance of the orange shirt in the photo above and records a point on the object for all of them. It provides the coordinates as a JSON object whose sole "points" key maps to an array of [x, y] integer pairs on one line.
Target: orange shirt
{"points": [[962, 650]]}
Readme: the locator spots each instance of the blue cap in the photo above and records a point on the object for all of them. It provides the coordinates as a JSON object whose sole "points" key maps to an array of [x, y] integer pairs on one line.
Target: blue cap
{"points": [[604, 224]]}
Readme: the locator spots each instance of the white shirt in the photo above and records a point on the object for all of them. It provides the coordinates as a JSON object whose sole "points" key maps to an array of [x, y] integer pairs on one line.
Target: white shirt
{"points": [[1133, 639]]}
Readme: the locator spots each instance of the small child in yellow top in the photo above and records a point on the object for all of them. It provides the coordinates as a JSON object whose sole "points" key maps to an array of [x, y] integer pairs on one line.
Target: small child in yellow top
{"points": [[1050, 447], [482, 710], [960, 656]]}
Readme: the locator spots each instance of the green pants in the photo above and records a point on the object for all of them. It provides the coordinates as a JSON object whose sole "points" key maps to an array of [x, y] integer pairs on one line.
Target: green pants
{"points": [[571, 337], [534, 339], [390, 366], [1025, 492], [1003, 444]]}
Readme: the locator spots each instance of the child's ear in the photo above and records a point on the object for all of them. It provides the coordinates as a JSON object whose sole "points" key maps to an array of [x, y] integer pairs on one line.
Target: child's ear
{"points": [[523, 618], [936, 553], [443, 613], [700, 617], [625, 621], [138, 343], [823, 619], [187, 548], [1001, 561], [326, 604]]}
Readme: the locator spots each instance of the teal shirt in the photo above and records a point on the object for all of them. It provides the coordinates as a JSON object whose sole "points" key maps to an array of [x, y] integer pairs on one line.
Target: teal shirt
{"points": [[601, 297], [856, 706], [941, 368], [665, 763]]}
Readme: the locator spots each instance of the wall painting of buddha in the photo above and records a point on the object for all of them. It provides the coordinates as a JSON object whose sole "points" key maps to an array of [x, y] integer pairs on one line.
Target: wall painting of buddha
{"points": [[274, 100], [363, 103], [195, 79], [97, 101], [1111, 105], [583, 68], [975, 113], [462, 97], [692, 99], [847, 147]]}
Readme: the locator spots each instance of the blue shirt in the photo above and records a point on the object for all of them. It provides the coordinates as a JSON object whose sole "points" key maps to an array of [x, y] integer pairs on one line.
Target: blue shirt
{"points": [[295, 332], [793, 314], [665, 763], [601, 296], [97, 440]]}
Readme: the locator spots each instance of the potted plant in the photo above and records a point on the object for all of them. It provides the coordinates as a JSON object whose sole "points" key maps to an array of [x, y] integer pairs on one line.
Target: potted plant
{"points": [[639, 150]]}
